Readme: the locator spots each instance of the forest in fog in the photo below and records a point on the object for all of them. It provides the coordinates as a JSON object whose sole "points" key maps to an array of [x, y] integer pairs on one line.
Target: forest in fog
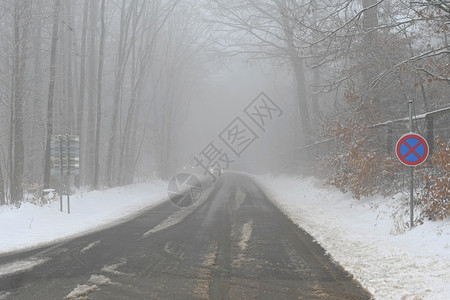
{"points": [[124, 76]]}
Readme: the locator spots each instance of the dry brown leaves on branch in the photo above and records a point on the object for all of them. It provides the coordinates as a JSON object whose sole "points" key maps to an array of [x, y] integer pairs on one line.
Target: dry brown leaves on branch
{"points": [[436, 195]]}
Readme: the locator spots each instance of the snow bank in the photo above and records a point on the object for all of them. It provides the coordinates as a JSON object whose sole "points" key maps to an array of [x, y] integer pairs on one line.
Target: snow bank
{"points": [[367, 238], [33, 225], [21, 265]]}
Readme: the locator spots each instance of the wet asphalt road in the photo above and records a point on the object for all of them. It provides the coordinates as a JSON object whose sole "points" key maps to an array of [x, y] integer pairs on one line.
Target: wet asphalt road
{"points": [[235, 245]]}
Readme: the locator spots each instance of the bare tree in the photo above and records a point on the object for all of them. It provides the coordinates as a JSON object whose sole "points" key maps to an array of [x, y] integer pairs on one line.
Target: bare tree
{"points": [[35, 153], [140, 26], [91, 92], [99, 96], [21, 38], [123, 52], [146, 35], [82, 92], [363, 47], [51, 90], [264, 30], [69, 63], [176, 71], [2, 187]]}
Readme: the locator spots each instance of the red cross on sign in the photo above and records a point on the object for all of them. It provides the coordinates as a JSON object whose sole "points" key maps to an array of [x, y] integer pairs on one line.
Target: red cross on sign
{"points": [[412, 149]]}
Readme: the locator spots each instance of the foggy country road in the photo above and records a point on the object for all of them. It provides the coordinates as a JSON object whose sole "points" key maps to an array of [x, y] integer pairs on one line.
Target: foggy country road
{"points": [[235, 245]]}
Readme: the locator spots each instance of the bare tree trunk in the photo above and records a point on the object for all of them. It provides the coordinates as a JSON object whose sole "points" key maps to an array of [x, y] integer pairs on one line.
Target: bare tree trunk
{"points": [[134, 86], [70, 86], [10, 168], [370, 22], [37, 130], [80, 107], [315, 90], [141, 53], [51, 90], [14, 82], [2, 187], [131, 152], [99, 97], [168, 112], [92, 79], [122, 58], [299, 72], [315, 101], [21, 11]]}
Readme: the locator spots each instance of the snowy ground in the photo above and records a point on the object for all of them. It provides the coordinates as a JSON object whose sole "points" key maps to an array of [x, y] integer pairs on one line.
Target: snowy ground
{"points": [[34, 225], [369, 237]]}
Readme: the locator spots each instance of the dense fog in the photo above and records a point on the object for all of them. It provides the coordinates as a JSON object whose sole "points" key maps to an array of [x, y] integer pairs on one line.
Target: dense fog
{"points": [[148, 85]]}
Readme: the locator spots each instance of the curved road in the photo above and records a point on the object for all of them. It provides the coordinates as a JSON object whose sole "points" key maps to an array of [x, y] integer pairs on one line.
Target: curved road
{"points": [[235, 245]]}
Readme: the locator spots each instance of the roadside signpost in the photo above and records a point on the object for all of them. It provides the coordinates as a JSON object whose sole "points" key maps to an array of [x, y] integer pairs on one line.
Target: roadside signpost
{"points": [[411, 150], [65, 160]]}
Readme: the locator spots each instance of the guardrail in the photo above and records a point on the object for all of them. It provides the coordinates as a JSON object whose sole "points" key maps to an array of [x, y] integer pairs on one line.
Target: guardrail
{"points": [[431, 125]]}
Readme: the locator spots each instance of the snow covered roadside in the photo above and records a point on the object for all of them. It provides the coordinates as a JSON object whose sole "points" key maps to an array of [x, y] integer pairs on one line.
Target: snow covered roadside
{"points": [[31, 225], [358, 234]]}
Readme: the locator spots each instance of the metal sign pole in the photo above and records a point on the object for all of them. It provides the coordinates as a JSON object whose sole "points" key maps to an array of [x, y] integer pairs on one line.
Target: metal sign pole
{"points": [[411, 194], [61, 175], [412, 150], [68, 174], [411, 198]]}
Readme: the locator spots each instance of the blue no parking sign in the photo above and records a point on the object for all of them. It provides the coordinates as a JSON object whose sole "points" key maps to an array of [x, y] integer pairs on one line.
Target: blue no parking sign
{"points": [[412, 149]]}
